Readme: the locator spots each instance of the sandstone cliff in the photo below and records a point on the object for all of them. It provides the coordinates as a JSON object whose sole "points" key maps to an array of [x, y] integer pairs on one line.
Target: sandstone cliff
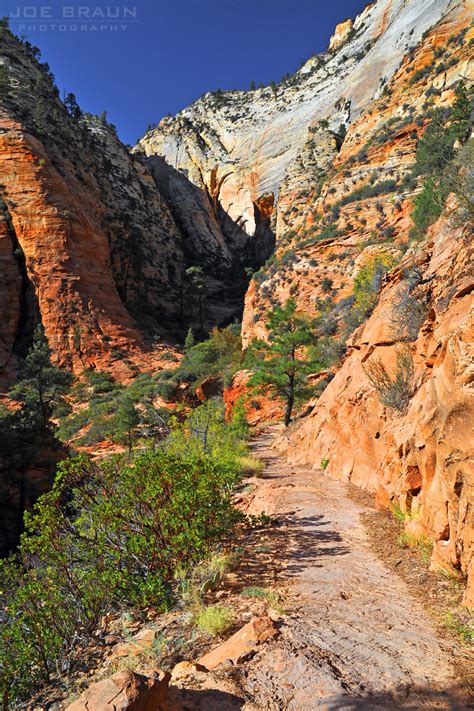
{"points": [[89, 244], [256, 135], [421, 461]]}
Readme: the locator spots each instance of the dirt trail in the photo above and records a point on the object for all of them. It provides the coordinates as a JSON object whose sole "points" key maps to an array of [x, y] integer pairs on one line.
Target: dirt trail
{"points": [[355, 636]]}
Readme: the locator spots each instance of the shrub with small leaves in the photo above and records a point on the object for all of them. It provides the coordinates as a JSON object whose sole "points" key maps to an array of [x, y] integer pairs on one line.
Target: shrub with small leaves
{"points": [[394, 391]]}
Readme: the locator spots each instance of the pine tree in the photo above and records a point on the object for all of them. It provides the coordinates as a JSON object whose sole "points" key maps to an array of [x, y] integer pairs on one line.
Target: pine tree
{"points": [[189, 340], [281, 366], [4, 81], [460, 116], [196, 282], [26, 431], [252, 85], [126, 421], [42, 386], [73, 109]]}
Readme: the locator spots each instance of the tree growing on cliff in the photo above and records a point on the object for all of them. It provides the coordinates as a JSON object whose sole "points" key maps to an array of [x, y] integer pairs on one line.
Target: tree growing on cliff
{"points": [[282, 364], [196, 291], [42, 386], [73, 108], [25, 430], [4, 81]]}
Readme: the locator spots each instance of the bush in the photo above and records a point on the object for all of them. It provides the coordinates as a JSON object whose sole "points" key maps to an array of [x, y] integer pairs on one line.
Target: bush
{"points": [[262, 593], [107, 536], [368, 281], [250, 466], [214, 619], [428, 205], [394, 391], [409, 308], [218, 357]]}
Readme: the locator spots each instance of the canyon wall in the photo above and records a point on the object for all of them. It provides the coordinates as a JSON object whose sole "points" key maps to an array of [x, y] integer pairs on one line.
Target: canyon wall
{"points": [[305, 183], [421, 460], [257, 135]]}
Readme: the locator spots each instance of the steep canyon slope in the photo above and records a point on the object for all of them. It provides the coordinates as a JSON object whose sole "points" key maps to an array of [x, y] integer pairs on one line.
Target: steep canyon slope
{"points": [[257, 135], [336, 155], [314, 173], [89, 245]]}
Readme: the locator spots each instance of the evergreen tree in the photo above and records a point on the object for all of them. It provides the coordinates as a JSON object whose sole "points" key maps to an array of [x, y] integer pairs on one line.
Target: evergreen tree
{"points": [[189, 340], [342, 130], [73, 109], [26, 431], [461, 114], [252, 85], [281, 366], [126, 421], [42, 386], [196, 282], [4, 81]]}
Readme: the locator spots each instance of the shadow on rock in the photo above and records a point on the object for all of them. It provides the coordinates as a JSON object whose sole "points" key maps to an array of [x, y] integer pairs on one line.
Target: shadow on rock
{"points": [[206, 699], [456, 698]]}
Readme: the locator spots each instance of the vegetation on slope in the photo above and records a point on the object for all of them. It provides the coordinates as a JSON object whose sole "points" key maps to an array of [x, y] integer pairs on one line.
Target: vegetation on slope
{"points": [[111, 536]]}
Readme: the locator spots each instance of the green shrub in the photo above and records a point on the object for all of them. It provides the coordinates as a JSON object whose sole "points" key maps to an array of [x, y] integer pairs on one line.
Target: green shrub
{"points": [[214, 619], [324, 463], [4, 81], [368, 281], [250, 466], [427, 206], [107, 536], [262, 593]]}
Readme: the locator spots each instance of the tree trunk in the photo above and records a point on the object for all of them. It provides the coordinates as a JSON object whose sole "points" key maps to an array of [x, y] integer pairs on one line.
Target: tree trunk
{"points": [[289, 407]]}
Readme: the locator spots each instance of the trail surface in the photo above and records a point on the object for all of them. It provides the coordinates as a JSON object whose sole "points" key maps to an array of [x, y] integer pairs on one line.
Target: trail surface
{"points": [[355, 637]]}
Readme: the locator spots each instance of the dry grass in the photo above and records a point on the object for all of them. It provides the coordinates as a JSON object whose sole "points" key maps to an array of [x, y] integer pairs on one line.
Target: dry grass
{"points": [[251, 466]]}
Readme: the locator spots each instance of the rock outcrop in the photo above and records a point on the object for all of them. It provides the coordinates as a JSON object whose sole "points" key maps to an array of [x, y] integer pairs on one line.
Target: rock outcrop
{"points": [[256, 135], [421, 460], [91, 246], [241, 644], [126, 691]]}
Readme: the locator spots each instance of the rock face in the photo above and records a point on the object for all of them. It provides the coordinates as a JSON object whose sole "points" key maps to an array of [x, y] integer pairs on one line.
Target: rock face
{"points": [[126, 691], [256, 135], [421, 460], [90, 246]]}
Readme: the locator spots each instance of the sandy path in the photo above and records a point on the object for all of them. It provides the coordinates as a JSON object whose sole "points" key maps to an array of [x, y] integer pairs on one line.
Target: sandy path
{"points": [[355, 637]]}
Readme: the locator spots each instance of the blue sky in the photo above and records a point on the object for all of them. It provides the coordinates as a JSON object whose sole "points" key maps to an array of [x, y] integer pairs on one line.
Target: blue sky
{"points": [[174, 50]]}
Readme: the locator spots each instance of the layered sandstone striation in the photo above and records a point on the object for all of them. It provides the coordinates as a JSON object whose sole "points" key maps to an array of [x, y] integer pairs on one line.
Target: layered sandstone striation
{"points": [[90, 245], [341, 201], [255, 136]]}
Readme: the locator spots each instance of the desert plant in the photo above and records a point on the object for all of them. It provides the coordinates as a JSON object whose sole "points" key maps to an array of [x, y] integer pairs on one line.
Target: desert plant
{"points": [[107, 536], [214, 619], [394, 391]]}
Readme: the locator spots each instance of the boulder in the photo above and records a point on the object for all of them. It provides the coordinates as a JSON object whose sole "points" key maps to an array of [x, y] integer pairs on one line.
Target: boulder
{"points": [[126, 691], [140, 642], [241, 644]]}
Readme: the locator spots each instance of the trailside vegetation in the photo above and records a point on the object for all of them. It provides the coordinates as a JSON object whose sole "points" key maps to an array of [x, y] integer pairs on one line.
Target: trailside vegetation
{"points": [[282, 364], [113, 535]]}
